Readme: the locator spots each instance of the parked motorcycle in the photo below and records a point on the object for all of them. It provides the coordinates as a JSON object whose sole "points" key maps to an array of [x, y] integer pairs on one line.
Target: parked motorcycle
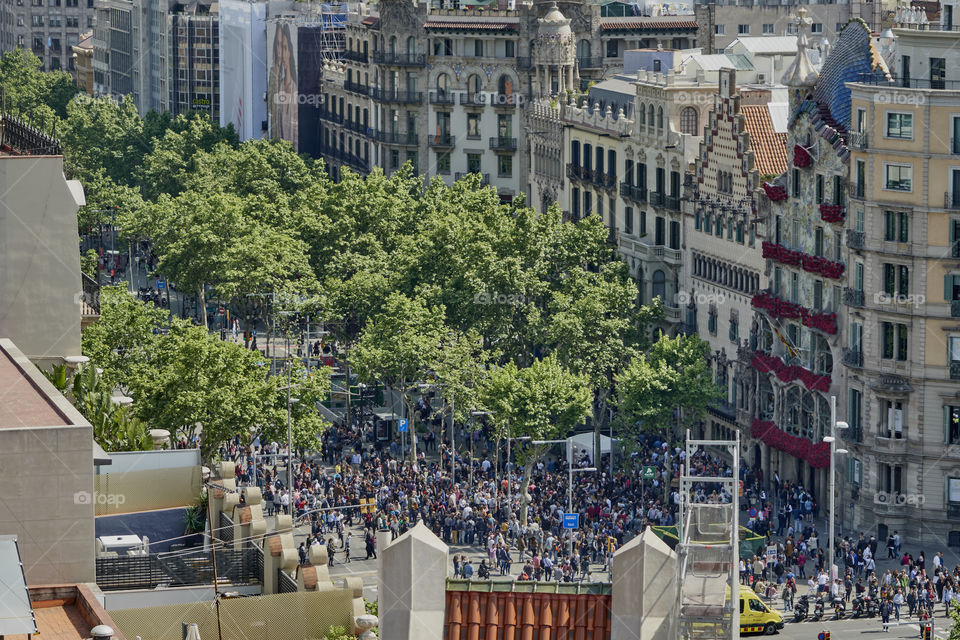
{"points": [[858, 606], [818, 609], [801, 609], [839, 608]]}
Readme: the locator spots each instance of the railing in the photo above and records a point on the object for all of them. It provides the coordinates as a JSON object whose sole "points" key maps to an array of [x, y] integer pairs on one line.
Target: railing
{"points": [[473, 99], [576, 172], [356, 56], [852, 297], [951, 200], [356, 87], [330, 116], [909, 83], [658, 199], [177, 569], [400, 59], [858, 140], [345, 157], [524, 62], [484, 178], [590, 63], [25, 139], [285, 584], [955, 308], [673, 203], [395, 137], [402, 97], [441, 97], [442, 140], [853, 358], [855, 239], [358, 127], [498, 143], [955, 370], [858, 191], [630, 192], [91, 292], [666, 253], [604, 180]]}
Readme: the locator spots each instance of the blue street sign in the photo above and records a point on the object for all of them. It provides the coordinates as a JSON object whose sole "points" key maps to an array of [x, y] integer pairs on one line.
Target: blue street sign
{"points": [[161, 284], [752, 513], [402, 425], [571, 521]]}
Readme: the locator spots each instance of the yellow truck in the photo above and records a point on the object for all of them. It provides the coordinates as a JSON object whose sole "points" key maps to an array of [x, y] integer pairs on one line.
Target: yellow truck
{"points": [[755, 615]]}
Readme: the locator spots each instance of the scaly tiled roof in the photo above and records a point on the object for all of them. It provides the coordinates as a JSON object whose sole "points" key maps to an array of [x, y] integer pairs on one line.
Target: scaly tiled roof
{"points": [[449, 25], [371, 21], [769, 147], [647, 24]]}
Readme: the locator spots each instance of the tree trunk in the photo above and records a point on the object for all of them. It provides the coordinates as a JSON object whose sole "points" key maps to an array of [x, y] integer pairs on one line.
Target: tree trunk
{"points": [[201, 300], [524, 488], [412, 431]]}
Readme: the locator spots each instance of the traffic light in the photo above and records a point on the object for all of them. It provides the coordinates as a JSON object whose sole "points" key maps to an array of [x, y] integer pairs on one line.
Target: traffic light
{"points": [[927, 633], [823, 635]]}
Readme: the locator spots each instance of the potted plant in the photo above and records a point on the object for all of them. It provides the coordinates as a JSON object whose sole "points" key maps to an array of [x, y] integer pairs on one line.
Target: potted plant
{"points": [[195, 521]]}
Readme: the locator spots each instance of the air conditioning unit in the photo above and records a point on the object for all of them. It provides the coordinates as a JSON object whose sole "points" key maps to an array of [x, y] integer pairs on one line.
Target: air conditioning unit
{"points": [[762, 78]]}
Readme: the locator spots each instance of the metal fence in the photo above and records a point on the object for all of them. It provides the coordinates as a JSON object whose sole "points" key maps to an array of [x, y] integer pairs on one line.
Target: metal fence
{"points": [[180, 569], [285, 584]]}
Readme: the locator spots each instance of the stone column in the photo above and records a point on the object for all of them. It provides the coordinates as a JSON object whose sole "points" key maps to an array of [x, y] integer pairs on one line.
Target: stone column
{"points": [[644, 589], [413, 588]]}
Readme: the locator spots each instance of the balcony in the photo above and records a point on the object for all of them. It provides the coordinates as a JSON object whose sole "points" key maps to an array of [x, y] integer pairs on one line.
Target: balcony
{"points": [[344, 157], [400, 97], [955, 370], [473, 99], [852, 297], [356, 56], [484, 178], [590, 63], [668, 255], [853, 358], [442, 141], [893, 446], [857, 191], [951, 200], [955, 308], [330, 116], [576, 172], [441, 97], [635, 194], [855, 239], [356, 87], [658, 199], [604, 180], [409, 139], [503, 144], [357, 127], [524, 62], [673, 203], [671, 314], [858, 140], [400, 59]]}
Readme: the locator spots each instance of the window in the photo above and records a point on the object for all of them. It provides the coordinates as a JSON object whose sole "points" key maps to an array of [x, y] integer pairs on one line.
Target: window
{"points": [[505, 166], [734, 330], [897, 226], [951, 426], [892, 426], [443, 162], [712, 321], [720, 29], [414, 161], [819, 189], [894, 341], [575, 201], [613, 50], [855, 414], [643, 224], [818, 295], [478, 48], [659, 117], [891, 478], [794, 288], [394, 159], [854, 471], [938, 73], [628, 220], [756, 605], [768, 29], [817, 242], [743, 29], [587, 203], [795, 183], [508, 49], [816, 27], [659, 231], [473, 125], [36, 21], [838, 28], [900, 125], [951, 287], [659, 284], [899, 177]]}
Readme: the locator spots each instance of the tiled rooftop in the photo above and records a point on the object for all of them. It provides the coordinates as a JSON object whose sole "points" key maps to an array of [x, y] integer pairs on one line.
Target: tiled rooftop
{"points": [[642, 24], [769, 147], [470, 26]]}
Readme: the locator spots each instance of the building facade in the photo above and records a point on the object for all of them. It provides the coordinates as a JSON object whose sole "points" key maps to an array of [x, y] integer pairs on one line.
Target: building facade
{"points": [[48, 28], [194, 32], [243, 67], [903, 291]]}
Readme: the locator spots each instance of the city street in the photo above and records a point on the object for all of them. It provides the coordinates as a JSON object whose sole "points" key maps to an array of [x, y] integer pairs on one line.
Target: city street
{"points": [[861, 627]]}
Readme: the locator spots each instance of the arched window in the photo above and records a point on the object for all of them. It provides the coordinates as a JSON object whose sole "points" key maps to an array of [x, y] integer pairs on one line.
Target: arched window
{"points": [[688, 121], [411, 46], [443, 85], [651, 117], [393, 44], [474, 85], [505, 85], [659, 284], [659, 117], [643, 114], [350, 44], [583, 49]]}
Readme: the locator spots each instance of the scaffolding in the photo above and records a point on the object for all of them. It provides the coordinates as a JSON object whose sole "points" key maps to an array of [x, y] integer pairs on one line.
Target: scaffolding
{"points": [[708, 553], [327, 24]]}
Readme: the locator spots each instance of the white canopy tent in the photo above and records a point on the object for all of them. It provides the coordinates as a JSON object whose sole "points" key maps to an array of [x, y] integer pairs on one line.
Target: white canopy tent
{"points": [[585, 441]]}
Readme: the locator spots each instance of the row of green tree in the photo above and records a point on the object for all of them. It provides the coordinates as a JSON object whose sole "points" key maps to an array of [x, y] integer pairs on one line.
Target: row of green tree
{"points": [[508, 309]]}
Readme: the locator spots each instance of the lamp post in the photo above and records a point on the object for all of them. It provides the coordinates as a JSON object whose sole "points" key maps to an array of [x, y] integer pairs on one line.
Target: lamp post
{"points": [[570, 471], [832, 441]]}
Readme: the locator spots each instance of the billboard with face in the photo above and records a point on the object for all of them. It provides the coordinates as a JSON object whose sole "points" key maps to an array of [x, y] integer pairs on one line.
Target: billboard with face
{"points": [[282, 91]]}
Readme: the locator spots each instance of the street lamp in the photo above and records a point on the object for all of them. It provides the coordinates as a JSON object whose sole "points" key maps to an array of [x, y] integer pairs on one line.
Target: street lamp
{"points": [[834, 451], [570, 471]]}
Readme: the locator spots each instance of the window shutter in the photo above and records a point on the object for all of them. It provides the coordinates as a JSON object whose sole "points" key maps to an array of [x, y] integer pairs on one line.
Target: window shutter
{"points": [[947, 287], [946, 424]]}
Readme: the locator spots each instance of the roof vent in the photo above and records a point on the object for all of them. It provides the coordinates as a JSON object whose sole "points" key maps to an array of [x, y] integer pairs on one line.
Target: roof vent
{"points": [[101, 632]]}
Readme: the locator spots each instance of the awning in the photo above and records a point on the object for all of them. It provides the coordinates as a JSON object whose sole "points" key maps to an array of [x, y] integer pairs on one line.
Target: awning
{"points": [[386, 414], [330, 414]]}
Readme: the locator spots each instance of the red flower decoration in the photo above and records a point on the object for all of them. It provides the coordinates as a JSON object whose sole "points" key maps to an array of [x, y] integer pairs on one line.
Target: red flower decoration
{"points": [[832, 212], [817, 455], [775, 192], [801, 157], [774, 306], [790, 372]]}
